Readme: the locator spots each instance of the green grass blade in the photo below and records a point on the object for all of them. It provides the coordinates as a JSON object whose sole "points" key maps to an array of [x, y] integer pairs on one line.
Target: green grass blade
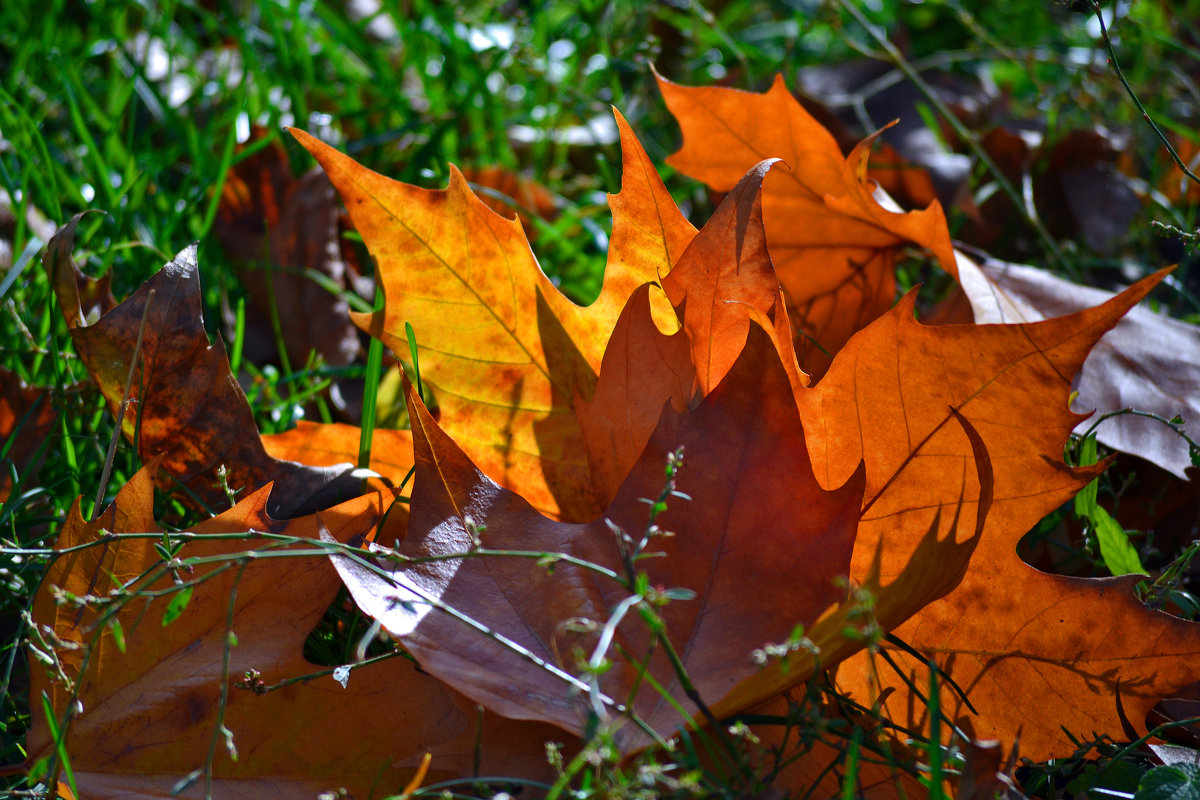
{"points": [[370, 392], [60, 743]]}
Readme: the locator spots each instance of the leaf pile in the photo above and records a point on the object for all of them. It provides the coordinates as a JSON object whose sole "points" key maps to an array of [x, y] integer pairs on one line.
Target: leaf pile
{"points": [[826, 434]]}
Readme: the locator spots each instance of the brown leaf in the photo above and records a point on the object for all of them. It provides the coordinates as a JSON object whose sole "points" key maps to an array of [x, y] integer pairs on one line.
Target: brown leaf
{"points": [[184, 404], [833, 245], [756, 518], [150, 714], [82, 299], [274, 226], [1080, 192], [1148, 361], [27, 417]]}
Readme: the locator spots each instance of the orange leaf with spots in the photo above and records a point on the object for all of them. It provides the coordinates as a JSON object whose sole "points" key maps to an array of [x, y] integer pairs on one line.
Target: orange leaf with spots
{"points": [[505, 352]]}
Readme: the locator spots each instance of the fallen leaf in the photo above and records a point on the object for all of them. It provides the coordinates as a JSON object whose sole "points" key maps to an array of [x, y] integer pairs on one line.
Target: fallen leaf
{"points": [[184, 404], [512, 195], [1007, 626], [1148, 362], [274, 226], [83, 300], [328, 445], [150, 714], [755, 518], [26, 419], [505, 352], [721, 282], [1172, 754], [1080, 192], [834, 247]]}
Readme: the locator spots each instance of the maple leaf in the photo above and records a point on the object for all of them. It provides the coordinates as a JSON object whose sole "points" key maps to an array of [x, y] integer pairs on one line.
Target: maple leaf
{"points": [[1007, 626], [186, 406], [1148, 361], [504, 350], [756, 518], [833, 245], [721, 282], [151, 705]]}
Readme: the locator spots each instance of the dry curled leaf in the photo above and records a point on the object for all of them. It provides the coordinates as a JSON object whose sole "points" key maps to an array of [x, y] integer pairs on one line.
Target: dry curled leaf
{"points": [[185, 405], [1007, 626]]}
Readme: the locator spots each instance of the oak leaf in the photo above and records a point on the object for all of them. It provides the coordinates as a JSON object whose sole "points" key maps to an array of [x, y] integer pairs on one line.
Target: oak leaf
{"points": [[185, 404], [833, 245], [504, 350], [150, 706]]}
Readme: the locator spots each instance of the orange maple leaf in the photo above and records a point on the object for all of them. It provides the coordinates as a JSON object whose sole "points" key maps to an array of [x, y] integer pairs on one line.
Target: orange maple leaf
{"points": [[833, 245], [1007, 627], [504, 350]]}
